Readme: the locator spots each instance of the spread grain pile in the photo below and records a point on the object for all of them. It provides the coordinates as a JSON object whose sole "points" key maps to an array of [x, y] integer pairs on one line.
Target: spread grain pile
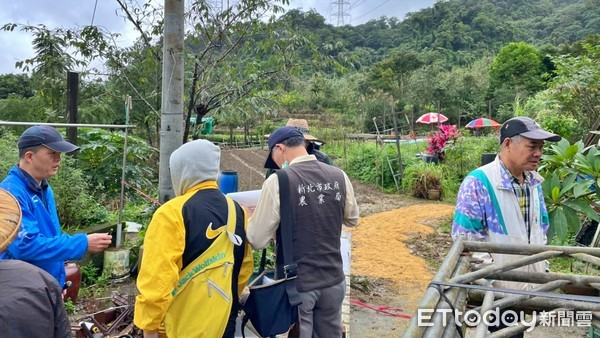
{"points": [[379, 248]]}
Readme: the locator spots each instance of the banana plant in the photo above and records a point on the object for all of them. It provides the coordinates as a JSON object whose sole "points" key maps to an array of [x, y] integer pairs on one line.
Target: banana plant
{"points": [[572, 178]]}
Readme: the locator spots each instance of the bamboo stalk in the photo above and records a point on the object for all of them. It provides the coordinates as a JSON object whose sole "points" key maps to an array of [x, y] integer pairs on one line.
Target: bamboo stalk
{"points": [[539, 303], [545, 277], [461, 303], [526, 249], [437, 329], [511, 300], [586, 258], [431, 296], [516, 329], [488, 301], [519, 262]]}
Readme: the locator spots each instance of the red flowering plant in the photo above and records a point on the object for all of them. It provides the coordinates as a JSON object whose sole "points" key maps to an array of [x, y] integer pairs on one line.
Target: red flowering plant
{"points": [[438, 141]]}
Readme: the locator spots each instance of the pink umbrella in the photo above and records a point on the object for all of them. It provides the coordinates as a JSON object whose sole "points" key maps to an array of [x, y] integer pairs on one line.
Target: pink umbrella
{"points": [[430, 118]]}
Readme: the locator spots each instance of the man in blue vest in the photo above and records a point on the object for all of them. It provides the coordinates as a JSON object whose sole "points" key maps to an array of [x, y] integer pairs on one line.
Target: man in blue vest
{"points": [[322, 200]]}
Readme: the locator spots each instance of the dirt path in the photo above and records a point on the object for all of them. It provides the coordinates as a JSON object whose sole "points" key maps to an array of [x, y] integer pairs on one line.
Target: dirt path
{"points": [[387, 271], [385, 267]]}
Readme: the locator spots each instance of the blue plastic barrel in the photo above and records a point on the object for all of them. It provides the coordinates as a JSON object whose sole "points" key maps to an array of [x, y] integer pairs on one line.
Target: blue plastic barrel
{"points": [[228, 181]]}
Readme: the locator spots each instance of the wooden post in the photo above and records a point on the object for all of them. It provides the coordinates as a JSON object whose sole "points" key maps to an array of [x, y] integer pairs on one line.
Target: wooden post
{"points": [[383, 122], [72, 104], [396, 131], [438, 113]]}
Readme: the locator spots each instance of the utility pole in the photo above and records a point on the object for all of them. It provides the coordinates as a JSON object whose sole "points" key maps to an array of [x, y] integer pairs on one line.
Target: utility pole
{"points": [[171, 120], [341, 11]]}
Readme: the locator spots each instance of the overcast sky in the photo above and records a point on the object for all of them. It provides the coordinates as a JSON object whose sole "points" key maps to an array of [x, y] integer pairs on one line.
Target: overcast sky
{"points": [[16, 45]]}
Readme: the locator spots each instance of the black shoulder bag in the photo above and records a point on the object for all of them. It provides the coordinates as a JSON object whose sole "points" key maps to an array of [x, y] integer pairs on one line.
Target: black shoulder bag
{"points": [[272, 306]]}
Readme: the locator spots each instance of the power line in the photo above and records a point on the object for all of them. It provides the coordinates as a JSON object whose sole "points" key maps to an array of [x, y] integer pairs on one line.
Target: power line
{"points": [[371, 11], [358, 3]]}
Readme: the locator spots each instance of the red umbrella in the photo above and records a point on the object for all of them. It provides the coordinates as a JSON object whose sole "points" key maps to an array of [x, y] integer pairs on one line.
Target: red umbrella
{"points": [[430, 118], [482, 122]]}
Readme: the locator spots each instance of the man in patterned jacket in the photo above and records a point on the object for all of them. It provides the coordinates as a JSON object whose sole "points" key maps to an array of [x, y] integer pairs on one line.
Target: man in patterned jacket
{"points": [[502, 201]]}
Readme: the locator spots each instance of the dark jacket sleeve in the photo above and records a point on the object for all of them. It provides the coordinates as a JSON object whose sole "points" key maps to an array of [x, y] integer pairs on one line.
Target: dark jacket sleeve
{"points": [[62, 326]]}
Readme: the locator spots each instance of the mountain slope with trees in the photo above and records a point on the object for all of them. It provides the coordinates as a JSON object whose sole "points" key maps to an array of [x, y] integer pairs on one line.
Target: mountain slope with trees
{"points": [[251, 71]]}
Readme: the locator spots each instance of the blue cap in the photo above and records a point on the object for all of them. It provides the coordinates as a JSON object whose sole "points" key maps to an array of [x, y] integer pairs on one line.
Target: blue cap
{"points": [[278, 136], [45, 136]]}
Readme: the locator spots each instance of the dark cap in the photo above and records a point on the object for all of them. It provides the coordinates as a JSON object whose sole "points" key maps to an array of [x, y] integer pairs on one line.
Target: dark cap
{"points": [[525, 127], [45, 136], [278, 136]]}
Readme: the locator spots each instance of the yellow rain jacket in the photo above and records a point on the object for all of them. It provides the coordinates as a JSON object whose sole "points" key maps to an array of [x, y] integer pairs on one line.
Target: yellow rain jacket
{"points": [[195, 264]]}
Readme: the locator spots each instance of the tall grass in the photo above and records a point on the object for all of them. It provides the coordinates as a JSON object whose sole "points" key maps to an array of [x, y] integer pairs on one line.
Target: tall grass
{"points": [[365, 160]]}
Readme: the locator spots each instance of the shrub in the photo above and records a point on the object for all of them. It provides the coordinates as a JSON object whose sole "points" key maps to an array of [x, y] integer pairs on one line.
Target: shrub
{"points": [[420, 177], [101, 158], [570, 171], [446, 135], [76, 207], [9, 154], [464, 156]]}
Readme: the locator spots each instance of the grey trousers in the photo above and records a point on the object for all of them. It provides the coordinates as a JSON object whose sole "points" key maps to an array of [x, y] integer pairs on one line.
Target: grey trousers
{"points": [[320, 313]]}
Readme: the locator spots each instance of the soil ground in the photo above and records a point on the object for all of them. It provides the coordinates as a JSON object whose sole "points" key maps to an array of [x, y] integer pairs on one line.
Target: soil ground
{"points": [[396, 250]]}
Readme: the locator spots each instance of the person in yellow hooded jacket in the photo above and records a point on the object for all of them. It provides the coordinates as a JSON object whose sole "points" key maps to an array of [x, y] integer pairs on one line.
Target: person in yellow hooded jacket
{"points": [[196, 259]]}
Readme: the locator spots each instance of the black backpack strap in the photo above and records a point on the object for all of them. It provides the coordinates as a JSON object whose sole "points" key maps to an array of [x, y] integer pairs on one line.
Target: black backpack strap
{"points": [[245, 320], [263, 261], [290, 268]]}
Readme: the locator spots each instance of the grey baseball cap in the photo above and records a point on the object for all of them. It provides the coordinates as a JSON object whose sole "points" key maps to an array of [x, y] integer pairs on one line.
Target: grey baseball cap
{"points": [[526, 127]]}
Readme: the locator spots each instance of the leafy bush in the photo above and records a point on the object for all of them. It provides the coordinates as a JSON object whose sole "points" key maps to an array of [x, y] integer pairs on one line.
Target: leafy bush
{"points": [[446, 135], [570, 170], [91, 275], [101, 158], [9, 154], [420, 177], [76, 207], [551, 116], [69, 306], [464, 155]]}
